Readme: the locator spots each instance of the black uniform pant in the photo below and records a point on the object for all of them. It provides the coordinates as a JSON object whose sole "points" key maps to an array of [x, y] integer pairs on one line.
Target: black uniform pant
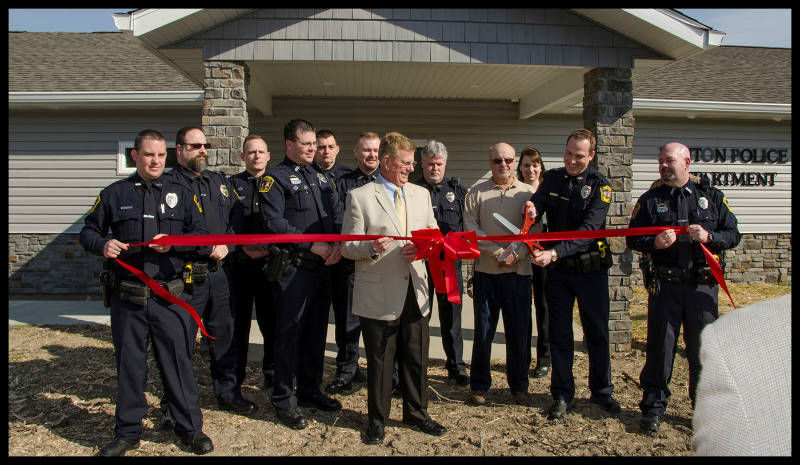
{"points": [[348, 326], [301, 325], [562, 287], [171, 330], [694, 306], [250, 286], [407, 339], [511, 293], [449, 324], [542, 320]]}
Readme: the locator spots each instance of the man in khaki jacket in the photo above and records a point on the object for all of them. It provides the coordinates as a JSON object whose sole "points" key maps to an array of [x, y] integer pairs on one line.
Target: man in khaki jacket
{"points": [[390, 294]]}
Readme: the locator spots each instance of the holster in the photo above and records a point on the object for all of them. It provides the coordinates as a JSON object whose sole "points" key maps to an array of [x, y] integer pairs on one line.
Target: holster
{"points": [[107, 286], [598, 259], [277, 263], [138, 293]]}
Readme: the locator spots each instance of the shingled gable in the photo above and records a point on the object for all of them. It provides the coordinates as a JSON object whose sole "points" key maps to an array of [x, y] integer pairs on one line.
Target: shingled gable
{"points": [[87, 62]]}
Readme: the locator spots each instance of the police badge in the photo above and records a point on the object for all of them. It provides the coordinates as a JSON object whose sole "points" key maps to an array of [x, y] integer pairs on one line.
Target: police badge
{"points": [[585, 191], [702, 202], [172, 199], [224, 190], [450, 197], [322, 178]]}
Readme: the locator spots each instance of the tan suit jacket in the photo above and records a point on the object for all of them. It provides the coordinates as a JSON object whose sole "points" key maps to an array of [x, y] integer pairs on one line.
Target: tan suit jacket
{"points": [[381, 284]]}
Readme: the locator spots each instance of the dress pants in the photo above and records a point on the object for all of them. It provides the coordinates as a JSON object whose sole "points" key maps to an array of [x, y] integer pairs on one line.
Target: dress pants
{"points": [[511, 294], [694, 306], [563, 286], [450, 324], [171, 330], [302, 305], [250, 286], [348, 326], [542, 319], [409, 338]]}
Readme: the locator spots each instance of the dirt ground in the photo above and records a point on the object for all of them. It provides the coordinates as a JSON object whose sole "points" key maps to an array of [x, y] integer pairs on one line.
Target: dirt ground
{"points": [[62, 384]]}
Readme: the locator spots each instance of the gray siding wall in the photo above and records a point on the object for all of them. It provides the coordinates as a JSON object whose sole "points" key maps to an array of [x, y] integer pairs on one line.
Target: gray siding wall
{"points": [[761, 209], [58, 161], [501, 36]]}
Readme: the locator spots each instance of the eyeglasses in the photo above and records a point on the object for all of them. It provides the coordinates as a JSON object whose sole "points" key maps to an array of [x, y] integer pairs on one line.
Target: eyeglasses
{"points": [[197, 146], [408, 163], [498, 161]]}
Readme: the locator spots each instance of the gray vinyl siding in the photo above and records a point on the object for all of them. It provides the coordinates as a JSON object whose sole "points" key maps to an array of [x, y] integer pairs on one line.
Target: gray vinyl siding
{"points": [[59, 161], [763, 209], [498, 36]]}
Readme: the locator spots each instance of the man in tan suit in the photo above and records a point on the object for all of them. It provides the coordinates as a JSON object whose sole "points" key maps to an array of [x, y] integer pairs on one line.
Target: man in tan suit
{"points": [[390, 294]]}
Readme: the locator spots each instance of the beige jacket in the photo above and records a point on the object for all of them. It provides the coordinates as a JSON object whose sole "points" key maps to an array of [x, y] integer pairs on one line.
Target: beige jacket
{"points": [[381, 284], [481, 202]]}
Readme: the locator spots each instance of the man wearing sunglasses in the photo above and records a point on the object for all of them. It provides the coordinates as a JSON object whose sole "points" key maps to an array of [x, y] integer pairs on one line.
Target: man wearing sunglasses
{"points": [[576, 197], [209, 278], [499, 284]]}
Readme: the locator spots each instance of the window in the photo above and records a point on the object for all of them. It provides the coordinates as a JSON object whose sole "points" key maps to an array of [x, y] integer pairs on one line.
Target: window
{"points": [[126, 165]]}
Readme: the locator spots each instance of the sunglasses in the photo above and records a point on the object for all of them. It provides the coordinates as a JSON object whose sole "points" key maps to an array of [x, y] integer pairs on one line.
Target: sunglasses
{"points": [[197, 146], [498, 161]]}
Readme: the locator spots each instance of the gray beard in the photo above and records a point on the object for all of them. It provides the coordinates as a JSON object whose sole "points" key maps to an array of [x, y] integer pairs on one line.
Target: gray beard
{"points": [[197, 164]]}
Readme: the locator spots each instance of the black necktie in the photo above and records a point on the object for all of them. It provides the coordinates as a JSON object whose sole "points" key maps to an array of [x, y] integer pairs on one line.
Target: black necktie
{"points": [[211, 213], [684, 243], [254, 200], [149, 228]]}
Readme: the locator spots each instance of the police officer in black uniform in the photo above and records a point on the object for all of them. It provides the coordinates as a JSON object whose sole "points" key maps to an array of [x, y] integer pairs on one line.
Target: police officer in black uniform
{"points": [[249, 279], [447, 197], [681, 288], [210, 275], [292, 202], [325, 157], [577, 197], [143, 206], [348, 326]]}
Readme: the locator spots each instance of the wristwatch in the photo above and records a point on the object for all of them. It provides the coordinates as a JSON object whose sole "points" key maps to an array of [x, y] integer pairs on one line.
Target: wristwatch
{"points": [[554, 255]]}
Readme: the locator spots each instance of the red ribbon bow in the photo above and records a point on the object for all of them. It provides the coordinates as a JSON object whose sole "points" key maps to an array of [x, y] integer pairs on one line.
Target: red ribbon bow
{"points": [[441, 253]]}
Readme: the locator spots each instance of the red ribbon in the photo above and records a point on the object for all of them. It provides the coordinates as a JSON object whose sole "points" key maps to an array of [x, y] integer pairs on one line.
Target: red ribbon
{"points": [[440, 251]]}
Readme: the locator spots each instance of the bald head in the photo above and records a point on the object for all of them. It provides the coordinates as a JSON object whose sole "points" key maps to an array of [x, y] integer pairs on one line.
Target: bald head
{"points": [[501, 162], [673, 164]]}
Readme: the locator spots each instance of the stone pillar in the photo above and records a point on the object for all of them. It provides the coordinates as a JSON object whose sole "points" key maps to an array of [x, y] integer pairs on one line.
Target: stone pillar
{"points": [[224, 114], [608, 113]]}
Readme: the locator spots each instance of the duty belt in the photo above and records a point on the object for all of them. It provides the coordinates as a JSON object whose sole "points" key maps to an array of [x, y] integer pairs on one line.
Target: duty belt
{"points": [[676, 275], [138, 293]]}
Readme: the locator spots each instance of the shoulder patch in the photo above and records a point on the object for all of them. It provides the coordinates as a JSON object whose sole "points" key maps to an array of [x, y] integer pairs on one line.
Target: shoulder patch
{"points": [[605, 194], [724, 200], [96, 203], [266, 183], [635, 210]]}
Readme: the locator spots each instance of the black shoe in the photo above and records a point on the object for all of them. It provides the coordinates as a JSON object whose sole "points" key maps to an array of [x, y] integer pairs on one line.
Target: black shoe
{"points": [[238, 405], [117, 448], [167, 424], [541, 371], [198, 441], [559, 408], [291, 417], [338, 385], [374, 435], [607, 403], [650, 423], [428, 426], [359, 377], [319, 401], [460, 379]]}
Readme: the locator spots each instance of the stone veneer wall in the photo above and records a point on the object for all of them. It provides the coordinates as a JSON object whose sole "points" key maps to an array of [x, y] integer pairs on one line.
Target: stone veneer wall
{"points": [[54, 264]]}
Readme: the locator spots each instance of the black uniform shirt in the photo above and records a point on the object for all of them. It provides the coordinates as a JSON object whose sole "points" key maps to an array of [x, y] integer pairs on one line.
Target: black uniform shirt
{"points": [[708, 207], [219, 197], [120, 208], [581, 207], [336, 171], [246, 214], [353, 179], [291, 202], [447, 198]]}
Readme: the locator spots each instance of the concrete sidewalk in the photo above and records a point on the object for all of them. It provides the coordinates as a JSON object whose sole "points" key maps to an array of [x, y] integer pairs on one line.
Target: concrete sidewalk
{"points": [[73, 312]]}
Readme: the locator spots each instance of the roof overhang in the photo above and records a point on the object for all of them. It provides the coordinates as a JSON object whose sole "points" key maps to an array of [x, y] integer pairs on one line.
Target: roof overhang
{"points": [[60, 100], [692, 109]]}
